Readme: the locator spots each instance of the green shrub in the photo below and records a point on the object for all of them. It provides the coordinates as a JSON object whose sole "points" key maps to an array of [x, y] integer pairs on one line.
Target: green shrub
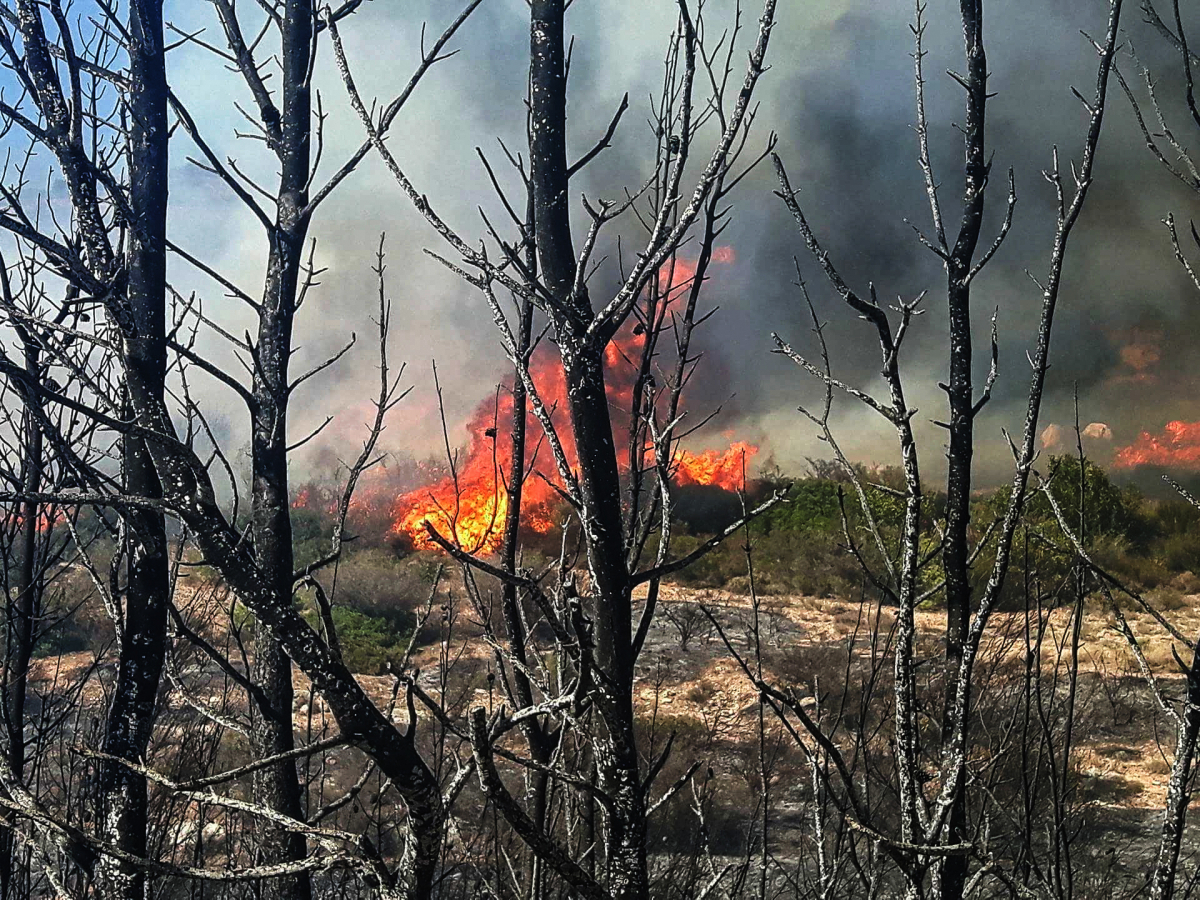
{"points": [[311, 533], [799, 546], [1131, 563], [812, 505], [1172, 516], [1108, 509], [377, 583], [375, 597], [1181, 552], [368, 642]]}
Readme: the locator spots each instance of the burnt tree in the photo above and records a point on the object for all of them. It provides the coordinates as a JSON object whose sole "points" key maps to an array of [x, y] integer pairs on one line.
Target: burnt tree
{"points": [[937, 840], [1182, 165], [601, 650]]}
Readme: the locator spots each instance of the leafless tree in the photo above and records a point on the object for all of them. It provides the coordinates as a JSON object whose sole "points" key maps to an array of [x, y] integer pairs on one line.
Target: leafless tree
{"points": [[1183, 712], [937, 841], [116, 261], [546, 269], [539, 768], [67, 119]]}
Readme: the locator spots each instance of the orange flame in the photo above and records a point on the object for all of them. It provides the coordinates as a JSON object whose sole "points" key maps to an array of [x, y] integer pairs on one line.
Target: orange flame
{"points": [[712, 467], [1177, 447], [468, 506], [45, 521]]}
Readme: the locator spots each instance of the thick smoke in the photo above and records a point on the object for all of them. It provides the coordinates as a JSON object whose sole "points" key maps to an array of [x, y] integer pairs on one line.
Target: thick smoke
{"points": [[840, 96]]}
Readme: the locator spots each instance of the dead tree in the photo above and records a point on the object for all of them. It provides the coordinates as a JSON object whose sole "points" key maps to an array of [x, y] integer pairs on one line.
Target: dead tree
{"points": [[1176, 159], [57, 97], [129, 290], [288, 127], [936, 842], [35, 537], [144, 364], [285, 122], [602, 649]]}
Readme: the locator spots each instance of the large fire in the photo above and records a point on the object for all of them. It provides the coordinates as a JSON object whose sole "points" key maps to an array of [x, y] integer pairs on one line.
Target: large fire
{"points": [[1177, 447], [469, 505], [714, 467]]}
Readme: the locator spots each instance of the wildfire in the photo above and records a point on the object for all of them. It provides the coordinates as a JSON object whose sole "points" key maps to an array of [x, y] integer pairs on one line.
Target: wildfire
{"points": [[469, 505], [45, 522], [711, 467], [1178, 447]]}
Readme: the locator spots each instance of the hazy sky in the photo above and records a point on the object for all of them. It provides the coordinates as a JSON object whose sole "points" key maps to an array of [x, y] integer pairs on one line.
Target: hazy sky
{"points": [[839, 93]]}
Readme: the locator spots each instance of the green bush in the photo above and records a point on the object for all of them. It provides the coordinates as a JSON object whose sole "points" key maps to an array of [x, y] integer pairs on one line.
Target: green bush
{"points": [[786, 561], [1133, 564], [368, 642], [799, 546], [311, 534], [375, 597], [1181, 551], [812, 505], [1172, 516], [1108, 510]]}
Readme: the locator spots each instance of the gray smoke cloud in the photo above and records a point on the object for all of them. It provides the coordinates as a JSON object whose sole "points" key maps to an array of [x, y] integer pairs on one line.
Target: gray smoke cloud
{"points": [[840, 96]]}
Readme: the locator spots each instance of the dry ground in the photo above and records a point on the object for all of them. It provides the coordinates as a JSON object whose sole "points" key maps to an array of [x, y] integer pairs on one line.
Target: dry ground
{"points": [[1126, 755]]}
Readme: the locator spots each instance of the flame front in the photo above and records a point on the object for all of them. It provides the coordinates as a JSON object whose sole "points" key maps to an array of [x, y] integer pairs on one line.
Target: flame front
{"points": [[468, 507], [724, 470], [1177, 447]]}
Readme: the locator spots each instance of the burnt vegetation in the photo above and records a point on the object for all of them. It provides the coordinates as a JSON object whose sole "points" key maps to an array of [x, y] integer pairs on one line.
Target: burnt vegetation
{"points": [[579, 657]]}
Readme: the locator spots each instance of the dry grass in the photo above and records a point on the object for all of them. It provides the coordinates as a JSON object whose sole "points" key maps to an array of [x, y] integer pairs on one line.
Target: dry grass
{"points": [[802, 636], [1120, 759]]}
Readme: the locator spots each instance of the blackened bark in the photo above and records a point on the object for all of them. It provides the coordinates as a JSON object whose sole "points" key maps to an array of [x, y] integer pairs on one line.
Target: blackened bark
{"points": [[513, 622], [188, 491], [184, 479], [26, 585], [960, 391], [599, 481], [581, 882], [1179, 795], [536, 736], [277, 787], [612, 612], [143, 638], [548, 151], [24, 608], [960, 387]]}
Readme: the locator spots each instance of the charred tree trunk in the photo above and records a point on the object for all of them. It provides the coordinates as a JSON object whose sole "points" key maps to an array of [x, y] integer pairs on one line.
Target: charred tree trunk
{"points": [[1179, 792], [25, 605], [258, 571], [143, 637], [961, 393], [599, 480], [23, 611], [537, 737], [278, 787], [616, 752]]}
